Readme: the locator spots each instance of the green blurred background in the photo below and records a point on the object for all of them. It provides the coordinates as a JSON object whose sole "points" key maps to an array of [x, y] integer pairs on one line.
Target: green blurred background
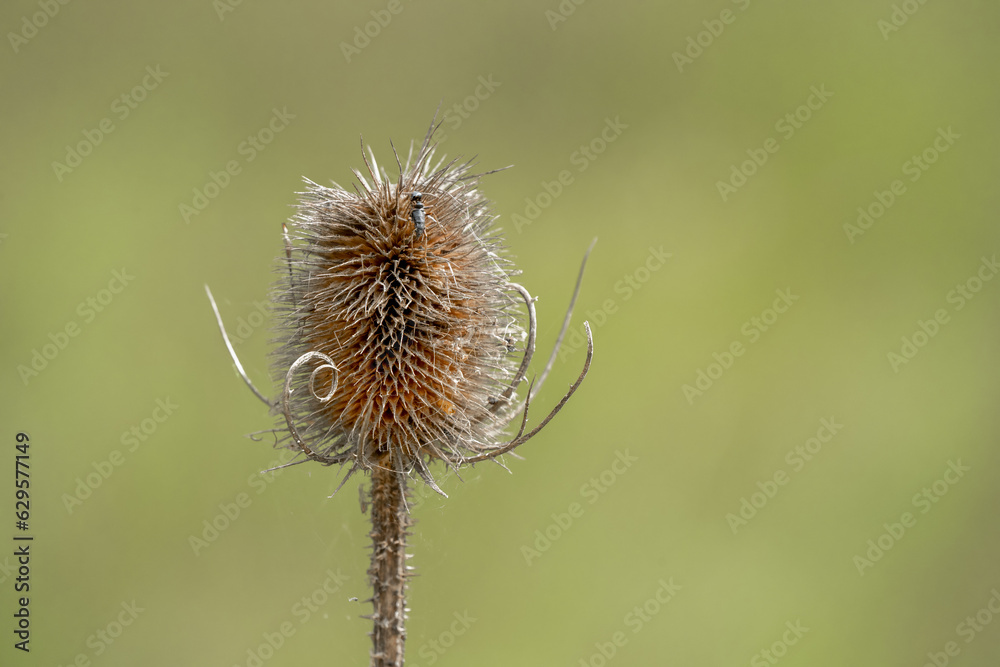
{"points": [[666, 520]]}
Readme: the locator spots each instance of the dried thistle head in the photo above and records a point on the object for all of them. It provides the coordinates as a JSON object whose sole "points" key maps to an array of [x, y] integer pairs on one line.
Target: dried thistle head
{"points": [[400, 340]]}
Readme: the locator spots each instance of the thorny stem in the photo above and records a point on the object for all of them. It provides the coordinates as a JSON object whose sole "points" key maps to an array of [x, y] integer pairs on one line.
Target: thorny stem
{"points": [[388, 572]]}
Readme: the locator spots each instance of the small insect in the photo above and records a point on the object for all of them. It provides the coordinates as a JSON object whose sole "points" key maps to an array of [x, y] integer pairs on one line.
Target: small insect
{"points": [[417, 213]]}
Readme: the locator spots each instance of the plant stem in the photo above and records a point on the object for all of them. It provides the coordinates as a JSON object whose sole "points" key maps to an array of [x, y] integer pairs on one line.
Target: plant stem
{"points": [[388, 572]]}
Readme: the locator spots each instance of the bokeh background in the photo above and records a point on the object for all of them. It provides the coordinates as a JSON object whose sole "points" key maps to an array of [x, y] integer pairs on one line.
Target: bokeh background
{"points": [[643, 109]]}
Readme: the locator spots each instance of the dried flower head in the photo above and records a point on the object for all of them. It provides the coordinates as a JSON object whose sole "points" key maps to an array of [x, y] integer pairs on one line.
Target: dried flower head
{"points": [[400, 341], [398, 310]]}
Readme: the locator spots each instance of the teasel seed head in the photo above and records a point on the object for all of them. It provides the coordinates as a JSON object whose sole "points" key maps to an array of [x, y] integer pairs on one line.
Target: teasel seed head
{"points": [[400, 335], [397, 337]]}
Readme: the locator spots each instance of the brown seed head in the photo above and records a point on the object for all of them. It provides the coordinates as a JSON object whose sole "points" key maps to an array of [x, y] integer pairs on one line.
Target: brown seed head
{"points": [[397, 345]]}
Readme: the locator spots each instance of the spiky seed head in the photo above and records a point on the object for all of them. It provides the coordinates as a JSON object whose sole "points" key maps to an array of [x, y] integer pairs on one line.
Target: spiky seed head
{"points": [[396, 345]]}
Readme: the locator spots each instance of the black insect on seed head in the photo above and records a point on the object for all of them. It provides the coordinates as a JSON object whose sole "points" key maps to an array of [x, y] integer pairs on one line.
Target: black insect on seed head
{"points": [[417, 213]]}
